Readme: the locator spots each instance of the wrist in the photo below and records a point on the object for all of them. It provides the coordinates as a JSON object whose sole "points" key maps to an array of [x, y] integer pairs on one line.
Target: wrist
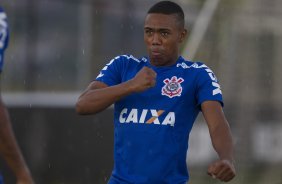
{"points": [[230, 160], [129, 86]]}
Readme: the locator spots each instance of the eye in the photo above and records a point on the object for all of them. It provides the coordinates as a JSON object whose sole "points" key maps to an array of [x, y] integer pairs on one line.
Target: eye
{"points": [[148, 32], [165, 33]]}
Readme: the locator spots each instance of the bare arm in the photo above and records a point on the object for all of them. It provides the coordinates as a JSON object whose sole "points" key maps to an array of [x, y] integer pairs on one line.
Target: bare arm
{"points": [[8, 145], [98, 96], [222, 169], [10, 151]]}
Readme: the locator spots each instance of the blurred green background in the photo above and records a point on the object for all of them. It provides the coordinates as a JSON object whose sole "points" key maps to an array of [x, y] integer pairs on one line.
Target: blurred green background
{"points": [[57, 47]]}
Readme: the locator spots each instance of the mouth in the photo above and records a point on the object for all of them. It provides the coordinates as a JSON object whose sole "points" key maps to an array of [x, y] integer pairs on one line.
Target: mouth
{"points": [[156, 53]]}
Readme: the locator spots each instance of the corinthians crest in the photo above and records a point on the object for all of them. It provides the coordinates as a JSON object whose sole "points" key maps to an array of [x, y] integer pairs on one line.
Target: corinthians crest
{"points": [[172, 87]]}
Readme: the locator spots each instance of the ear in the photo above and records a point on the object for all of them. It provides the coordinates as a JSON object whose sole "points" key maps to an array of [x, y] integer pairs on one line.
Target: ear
{"points": [[183, 35]]}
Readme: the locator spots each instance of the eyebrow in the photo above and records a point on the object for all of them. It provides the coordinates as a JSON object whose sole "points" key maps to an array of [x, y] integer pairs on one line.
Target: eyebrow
{"points": [[157, 29]]}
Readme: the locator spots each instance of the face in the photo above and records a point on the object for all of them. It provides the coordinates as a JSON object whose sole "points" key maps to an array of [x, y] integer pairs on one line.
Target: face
{"points": [[163, 35]]}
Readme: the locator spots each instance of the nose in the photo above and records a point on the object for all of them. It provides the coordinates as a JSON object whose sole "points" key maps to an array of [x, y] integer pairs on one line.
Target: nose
{"points": [[156, 39]]}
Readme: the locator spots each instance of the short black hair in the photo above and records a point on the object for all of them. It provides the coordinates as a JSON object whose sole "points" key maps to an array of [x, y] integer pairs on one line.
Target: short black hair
{"points": [[168, 8]]}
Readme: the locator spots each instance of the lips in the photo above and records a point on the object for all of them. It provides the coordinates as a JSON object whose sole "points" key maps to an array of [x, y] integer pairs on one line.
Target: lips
{"points": [[156, 53]]}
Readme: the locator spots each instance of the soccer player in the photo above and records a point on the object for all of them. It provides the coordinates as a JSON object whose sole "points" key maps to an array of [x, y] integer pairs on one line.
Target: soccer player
{"points": [[156, 101], [9, 149]]}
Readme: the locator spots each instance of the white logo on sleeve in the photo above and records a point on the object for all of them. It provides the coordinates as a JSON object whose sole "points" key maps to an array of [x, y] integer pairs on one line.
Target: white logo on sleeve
{"points": [[100, 75], [215, 84], [3, 29]]}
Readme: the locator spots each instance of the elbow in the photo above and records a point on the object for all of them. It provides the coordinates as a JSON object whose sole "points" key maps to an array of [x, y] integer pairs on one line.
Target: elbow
{"points": [[80, 108], [84, 108]]}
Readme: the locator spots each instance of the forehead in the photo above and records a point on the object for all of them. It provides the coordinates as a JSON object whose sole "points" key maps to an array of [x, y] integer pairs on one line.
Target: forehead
{"points": [[157, 20]]}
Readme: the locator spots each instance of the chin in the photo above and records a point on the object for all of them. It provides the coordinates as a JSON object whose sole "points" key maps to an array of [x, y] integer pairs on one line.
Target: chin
{"points": [[157, 61]]}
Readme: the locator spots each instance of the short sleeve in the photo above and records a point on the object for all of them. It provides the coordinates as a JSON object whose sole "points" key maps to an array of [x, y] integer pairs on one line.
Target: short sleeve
{"points": [[4, 36], [208, 87], [111, 73]]}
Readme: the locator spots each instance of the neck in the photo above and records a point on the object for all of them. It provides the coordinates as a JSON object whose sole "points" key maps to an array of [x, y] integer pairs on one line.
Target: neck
{"points": [[163, 62]]}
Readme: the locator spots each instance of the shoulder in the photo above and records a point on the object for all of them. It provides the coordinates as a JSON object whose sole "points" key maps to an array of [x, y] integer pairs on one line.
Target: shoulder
{"points": [[131, 58], [192, 65], [3, 17], [122, 62], [199, 69], [4, 35], [127, 59], [3, 29]]}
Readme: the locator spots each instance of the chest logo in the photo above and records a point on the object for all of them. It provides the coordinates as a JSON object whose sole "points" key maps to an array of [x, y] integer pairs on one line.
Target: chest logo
{"points": [[172, 87]]}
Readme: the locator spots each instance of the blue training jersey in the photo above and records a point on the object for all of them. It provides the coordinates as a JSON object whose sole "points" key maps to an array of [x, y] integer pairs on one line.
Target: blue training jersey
{"points": [[4, 36], [152, 127]]}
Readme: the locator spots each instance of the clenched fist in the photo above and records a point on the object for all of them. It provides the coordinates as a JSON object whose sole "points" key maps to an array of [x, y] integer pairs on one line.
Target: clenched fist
{"points": [[143, 80], [222, 169]]}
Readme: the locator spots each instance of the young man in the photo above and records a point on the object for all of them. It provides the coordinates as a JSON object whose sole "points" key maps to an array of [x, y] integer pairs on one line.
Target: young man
{"points": [[9, 149], [156, 100]]}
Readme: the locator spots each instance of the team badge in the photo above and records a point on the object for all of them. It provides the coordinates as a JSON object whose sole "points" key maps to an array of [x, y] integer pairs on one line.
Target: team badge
{"points": [[172, 87]]}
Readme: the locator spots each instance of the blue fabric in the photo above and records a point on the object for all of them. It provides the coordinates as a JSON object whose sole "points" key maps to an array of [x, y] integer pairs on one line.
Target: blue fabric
{"points": [[152, 127], [4, 36], [1, 179]]}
